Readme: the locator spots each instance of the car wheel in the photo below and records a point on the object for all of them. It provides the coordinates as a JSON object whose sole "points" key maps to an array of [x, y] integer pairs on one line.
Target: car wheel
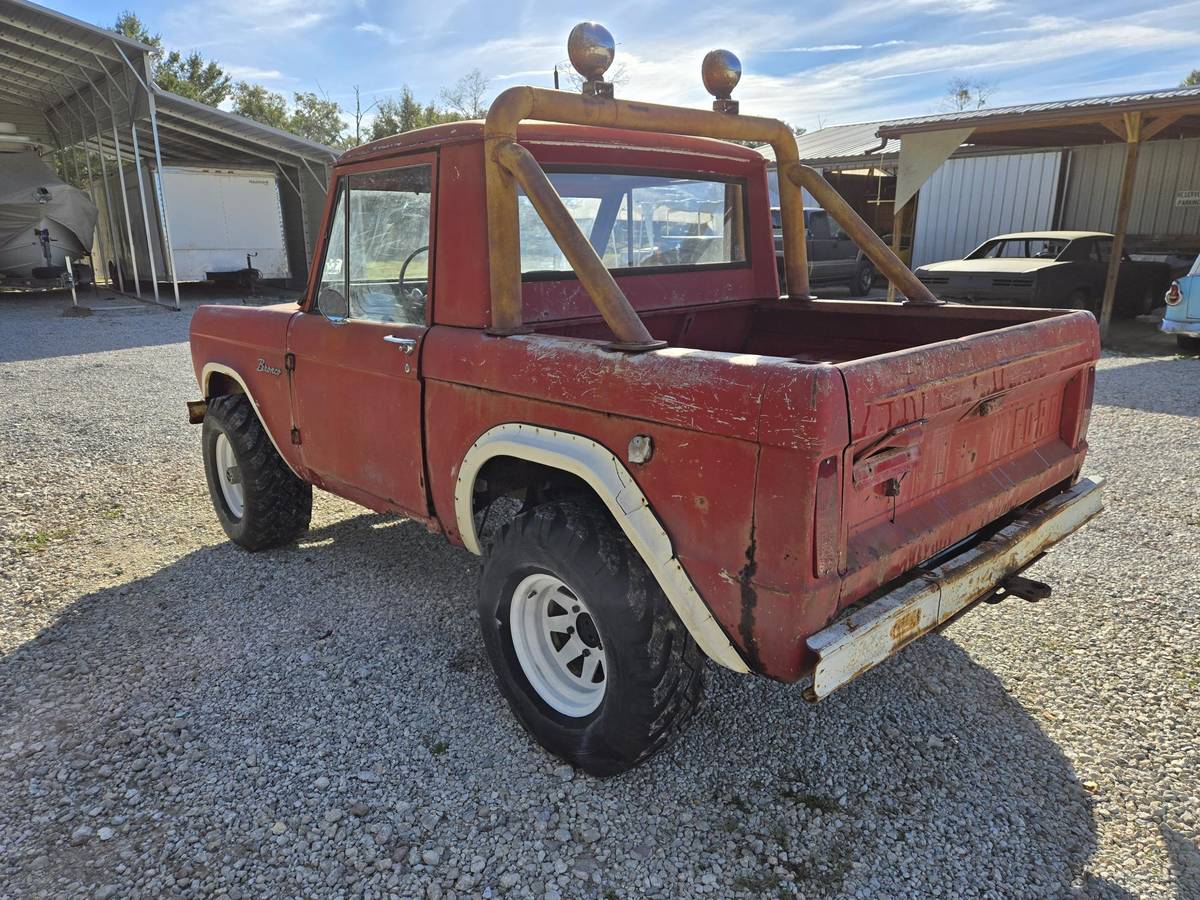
{"points": [[584, 645], [259, 501], [864, 279], [1188, 343], [1078, 299]]}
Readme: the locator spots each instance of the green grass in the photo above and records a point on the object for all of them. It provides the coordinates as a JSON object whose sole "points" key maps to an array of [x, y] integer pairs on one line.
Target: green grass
{"points": [[40, 541]]}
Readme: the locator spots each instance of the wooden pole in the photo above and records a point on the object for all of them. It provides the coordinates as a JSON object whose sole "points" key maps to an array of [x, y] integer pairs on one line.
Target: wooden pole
{"points": [[899, 218], [1133, 140]]}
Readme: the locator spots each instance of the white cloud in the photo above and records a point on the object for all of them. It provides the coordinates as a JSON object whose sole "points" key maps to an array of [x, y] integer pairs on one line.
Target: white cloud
{"points": [[387, 34], [830, 48], [250, 73]]}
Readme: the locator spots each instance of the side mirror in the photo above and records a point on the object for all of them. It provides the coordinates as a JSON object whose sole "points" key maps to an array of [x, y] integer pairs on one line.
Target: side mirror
{"points": [[332, 304]]}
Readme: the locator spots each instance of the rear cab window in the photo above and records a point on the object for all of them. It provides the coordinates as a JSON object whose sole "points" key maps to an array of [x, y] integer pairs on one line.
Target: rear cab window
{"points": [[640, 222]]}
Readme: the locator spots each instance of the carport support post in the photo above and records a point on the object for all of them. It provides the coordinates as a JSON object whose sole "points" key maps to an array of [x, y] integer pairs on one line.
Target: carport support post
{"points": [[137, 167], [137, 284], [1133, 140], [162, 197]]}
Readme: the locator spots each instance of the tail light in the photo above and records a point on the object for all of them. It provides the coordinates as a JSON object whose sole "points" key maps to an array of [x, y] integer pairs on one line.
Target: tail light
{"points": [[1174, 295]]}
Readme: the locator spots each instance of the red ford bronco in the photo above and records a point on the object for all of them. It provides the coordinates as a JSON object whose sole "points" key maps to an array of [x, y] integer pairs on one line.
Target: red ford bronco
{"points": [[583, 313]]}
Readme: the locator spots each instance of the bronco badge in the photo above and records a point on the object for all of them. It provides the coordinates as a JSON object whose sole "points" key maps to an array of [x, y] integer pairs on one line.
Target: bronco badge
{"points": [[270, 370]]}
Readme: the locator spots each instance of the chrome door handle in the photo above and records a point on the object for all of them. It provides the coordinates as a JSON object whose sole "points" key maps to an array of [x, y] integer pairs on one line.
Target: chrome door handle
{"points": [[405, 344]]}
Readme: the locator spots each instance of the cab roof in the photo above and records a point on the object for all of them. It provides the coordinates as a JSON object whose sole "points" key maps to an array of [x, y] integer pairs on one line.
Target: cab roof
{"points": [[472, 130]]}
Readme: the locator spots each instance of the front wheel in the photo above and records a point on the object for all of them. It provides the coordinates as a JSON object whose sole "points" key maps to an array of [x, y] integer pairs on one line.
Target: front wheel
{"points": [[259, 501], [584, 645]]}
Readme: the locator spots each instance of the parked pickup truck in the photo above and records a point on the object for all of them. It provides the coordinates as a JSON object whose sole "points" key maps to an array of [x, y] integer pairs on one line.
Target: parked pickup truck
{"points": [[833, 258], [791, 487]]}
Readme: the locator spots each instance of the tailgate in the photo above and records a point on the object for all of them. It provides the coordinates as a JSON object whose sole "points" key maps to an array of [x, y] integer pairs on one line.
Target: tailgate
{"points": [[948, 437]]}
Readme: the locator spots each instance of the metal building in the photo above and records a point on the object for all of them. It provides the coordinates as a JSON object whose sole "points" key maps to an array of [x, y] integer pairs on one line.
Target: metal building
{"points": [[1129, 164], [89, 93]]}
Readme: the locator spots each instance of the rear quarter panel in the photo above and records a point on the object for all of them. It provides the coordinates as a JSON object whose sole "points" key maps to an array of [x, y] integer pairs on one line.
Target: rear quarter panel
{"points": [[739, 514]]}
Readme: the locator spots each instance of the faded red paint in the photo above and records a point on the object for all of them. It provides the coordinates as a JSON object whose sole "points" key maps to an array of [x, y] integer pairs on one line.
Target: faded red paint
{"points": [[804, 455]]}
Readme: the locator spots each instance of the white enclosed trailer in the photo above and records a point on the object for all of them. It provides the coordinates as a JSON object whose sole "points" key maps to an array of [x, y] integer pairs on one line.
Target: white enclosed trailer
{"points": [[218, 216]]}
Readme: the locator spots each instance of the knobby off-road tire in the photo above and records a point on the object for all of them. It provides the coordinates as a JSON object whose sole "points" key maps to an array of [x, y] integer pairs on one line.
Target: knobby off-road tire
{"points": [[653, 672], [276, 506]]}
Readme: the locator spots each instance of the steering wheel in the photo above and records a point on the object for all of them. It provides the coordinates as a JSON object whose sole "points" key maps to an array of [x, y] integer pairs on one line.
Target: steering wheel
{"points": [[408, 259]]}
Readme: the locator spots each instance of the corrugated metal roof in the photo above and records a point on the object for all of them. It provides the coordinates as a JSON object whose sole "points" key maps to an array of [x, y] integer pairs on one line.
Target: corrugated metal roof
{"points": [[229, 127], [839, 142], [77, 78], [46, 57], [1115, 103]]}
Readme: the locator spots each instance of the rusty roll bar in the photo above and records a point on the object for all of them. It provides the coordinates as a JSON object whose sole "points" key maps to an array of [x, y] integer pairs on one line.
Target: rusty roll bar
{"points": [[861, 233], [624, 321], [520, 103]]}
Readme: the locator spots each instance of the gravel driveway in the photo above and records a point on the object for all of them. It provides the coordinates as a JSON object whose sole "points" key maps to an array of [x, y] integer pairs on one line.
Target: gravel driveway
{"points": [[179, 717]]}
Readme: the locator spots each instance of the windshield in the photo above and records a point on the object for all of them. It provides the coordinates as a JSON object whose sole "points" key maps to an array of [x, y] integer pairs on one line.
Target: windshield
{"points": [[1195, 267], [641, 221], [1021, 248]]}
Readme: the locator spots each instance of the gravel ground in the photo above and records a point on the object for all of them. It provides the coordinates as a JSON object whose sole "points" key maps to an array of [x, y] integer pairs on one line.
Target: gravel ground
{"points": [[179, 717]]}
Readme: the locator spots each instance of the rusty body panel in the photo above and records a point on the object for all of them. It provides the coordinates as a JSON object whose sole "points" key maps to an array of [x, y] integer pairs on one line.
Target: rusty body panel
{"points": [[239, 349], [804, 454]]}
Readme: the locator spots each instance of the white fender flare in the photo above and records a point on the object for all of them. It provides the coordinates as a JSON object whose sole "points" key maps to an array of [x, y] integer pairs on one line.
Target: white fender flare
{"points": [[206, 375], [605, 474]]}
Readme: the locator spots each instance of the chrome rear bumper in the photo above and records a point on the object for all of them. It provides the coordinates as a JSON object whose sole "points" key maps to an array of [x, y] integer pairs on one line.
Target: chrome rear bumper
{"points": [[867, 635], [1174, 326]]}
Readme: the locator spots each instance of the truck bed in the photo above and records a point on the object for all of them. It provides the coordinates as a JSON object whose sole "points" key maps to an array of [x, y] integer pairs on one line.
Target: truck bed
{"points": [[833, 331]]}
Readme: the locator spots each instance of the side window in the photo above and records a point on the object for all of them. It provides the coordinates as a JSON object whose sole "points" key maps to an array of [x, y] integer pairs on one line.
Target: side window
{"points": [[818, 224], [389, 234], [332, 293], [1102, 250]]}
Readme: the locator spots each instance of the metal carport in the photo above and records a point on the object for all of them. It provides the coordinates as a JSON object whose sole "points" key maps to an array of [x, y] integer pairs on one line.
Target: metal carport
{"points": [[90, 93], [1129, 119]]}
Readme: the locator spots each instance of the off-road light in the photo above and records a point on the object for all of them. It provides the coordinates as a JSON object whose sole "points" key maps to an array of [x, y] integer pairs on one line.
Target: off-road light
{"points": [[721, 71], [1174, 295], [591, 49]]}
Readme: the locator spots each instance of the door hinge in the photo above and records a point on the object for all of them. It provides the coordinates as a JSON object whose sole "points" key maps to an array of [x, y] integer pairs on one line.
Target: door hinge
{"points": [[295, 435], [289, 361]]}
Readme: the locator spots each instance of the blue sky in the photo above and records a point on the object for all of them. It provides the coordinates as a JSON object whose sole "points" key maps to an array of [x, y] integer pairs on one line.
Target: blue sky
{"points": [[812, 64]]}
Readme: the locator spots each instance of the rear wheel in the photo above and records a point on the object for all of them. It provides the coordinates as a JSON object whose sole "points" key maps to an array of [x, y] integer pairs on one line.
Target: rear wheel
{"points": [[1188, 343], [1078, 299], [259, 501], [584, 645], [864, 278]]}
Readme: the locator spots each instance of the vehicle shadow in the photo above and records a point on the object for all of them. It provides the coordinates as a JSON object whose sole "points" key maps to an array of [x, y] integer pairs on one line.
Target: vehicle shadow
{"points": [[193, 709]]}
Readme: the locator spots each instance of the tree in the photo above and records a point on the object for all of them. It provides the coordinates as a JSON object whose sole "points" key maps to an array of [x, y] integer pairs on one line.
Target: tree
{"points": [[358, 115], [465, 99], [396, 115], [193, 77], [1192, 80], [963, 94], [190, 76], [316, 118], [572, 80], [255, 102]]}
